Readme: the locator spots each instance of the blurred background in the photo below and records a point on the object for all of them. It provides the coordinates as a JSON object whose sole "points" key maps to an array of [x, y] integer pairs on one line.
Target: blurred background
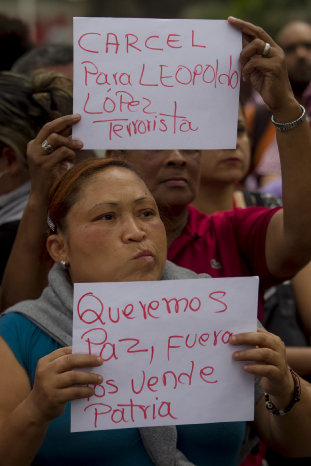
{"points": [[50, 21]]}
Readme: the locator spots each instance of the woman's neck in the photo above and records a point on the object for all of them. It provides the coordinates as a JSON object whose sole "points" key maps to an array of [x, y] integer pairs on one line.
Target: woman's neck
{"points": [[214, 197]]}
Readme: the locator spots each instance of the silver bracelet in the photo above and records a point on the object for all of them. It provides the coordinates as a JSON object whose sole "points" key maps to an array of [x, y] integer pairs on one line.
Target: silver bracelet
{"points": [[292, 124]]}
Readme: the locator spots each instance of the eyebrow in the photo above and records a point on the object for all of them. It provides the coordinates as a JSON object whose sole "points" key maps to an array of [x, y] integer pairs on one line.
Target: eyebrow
{"points": [[141, 199], [114, 204], [298, 43]]}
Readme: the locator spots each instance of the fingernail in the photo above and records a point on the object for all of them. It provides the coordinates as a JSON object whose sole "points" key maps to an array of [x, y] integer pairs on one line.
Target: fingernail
{"points": [[76, 116], [99, 379]]}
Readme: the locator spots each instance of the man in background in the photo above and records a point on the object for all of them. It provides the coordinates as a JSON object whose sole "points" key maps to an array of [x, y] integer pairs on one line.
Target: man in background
{"points": [[14, 40]]}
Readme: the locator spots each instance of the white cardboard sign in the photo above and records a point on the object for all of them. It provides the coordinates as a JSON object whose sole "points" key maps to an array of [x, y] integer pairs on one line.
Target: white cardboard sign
{"points": [[156, 84], [166, 354]]}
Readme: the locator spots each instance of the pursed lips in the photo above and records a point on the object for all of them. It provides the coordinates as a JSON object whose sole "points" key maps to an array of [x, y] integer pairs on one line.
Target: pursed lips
{"points": [[144, 254], [231, 160]]}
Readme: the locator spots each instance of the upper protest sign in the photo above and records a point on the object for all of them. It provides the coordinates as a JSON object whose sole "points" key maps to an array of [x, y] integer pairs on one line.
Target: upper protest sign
{"points": [[156, 84]]}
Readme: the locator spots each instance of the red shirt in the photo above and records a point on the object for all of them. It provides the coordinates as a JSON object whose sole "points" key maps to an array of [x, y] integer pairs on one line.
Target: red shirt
{"points": [[226, 244]]}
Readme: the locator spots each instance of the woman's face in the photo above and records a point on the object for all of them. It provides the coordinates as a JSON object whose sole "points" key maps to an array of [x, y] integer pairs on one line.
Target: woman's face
{"points": [[228, 165], [113, 232], [171, 175]]}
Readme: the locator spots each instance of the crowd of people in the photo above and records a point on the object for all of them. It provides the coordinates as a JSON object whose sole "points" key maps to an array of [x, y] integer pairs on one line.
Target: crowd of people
{"points": [[68, 215]]}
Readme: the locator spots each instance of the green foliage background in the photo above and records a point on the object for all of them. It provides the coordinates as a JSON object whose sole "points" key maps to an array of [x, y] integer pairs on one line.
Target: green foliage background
{"points": [[270, 14]]}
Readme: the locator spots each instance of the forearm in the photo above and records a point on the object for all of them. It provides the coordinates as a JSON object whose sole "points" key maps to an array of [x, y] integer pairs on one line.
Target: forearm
{"points": [[288, 434], [288, 241], [295, 149], [302, 289], [21, 436], [26, 272], [299, 358]]}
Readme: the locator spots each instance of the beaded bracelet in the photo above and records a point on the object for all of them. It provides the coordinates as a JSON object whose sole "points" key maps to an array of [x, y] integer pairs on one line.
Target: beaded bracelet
{"points": [[291, 124], [296, 397]]}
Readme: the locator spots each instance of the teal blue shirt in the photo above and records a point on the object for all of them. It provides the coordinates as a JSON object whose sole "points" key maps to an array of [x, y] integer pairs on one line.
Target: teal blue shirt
{"points": [[203, 444]]}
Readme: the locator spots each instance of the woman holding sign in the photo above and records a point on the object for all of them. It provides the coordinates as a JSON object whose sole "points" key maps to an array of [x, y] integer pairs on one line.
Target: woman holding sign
{"points": [[104, 226], [25, 105], [272, 243]]}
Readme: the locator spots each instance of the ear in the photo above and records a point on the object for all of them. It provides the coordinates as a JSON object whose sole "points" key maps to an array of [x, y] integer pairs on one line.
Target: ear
{"points": [[57, 247], [11, 160]]}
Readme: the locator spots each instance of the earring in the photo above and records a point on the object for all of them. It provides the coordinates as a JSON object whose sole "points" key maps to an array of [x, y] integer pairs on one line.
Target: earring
{"points": [[64, 264]]}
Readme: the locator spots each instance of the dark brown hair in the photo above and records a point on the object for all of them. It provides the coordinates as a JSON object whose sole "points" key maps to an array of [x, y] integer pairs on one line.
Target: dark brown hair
{"points": [[26, 104]]}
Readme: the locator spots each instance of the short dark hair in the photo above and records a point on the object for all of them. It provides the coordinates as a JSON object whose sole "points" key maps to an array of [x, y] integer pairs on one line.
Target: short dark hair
{"points": [[14, 40], [40, 57]]}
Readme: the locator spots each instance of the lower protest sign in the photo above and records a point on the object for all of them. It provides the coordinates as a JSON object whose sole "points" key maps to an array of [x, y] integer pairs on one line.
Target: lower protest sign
{"points": [[165, 346]]}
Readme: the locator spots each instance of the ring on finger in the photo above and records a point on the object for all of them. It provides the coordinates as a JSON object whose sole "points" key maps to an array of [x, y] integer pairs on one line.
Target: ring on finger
{"points": [[266, 49], [47, 147]]}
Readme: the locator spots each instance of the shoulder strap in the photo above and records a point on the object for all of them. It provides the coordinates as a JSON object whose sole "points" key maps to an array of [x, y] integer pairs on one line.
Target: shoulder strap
{"points": [[259, 127], [253, 199]]}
